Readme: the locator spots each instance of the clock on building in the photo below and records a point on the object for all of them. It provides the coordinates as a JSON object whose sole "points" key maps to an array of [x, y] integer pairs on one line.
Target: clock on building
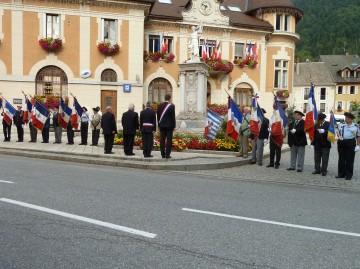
{"points": [[205, 7]]}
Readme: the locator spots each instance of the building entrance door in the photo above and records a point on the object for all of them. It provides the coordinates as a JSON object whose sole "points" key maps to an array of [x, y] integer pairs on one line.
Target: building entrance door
{"points": [[109, 98]]}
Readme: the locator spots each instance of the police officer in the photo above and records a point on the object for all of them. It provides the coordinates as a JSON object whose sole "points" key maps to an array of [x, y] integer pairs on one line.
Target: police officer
{"points": [[148, 128], [297, 142], [19, 123], [321, 145], [348, 144]]}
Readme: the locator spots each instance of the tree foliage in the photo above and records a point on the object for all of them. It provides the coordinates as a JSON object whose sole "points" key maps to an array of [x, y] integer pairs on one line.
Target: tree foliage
{"points": [[328, 27]]}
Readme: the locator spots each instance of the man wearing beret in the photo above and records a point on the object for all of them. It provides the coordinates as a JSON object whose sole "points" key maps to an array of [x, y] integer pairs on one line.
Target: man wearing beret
{"points": [[297, 142], [321, 145], [348, 144]]}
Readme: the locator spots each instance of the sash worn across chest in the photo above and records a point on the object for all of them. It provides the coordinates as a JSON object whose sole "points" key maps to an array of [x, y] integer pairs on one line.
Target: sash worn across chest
{"points": [[164, 111]]}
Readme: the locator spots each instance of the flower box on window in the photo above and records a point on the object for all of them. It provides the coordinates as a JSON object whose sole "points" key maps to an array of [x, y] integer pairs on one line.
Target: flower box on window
{"points": [[282, 94], [50, 44], [251, 63], [108, 49], [217, 66], [158, 56]]}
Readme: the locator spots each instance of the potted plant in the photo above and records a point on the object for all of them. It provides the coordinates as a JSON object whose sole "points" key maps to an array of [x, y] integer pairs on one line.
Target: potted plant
{"points": [[108, 49], [50, 44]]}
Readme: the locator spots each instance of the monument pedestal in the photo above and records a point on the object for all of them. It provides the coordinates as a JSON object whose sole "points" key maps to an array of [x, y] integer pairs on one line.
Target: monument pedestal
{"points": [[193, 94]]}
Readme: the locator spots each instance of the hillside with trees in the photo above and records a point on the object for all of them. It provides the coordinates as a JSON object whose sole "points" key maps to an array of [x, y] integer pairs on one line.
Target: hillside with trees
{"points": [[328, 27]]}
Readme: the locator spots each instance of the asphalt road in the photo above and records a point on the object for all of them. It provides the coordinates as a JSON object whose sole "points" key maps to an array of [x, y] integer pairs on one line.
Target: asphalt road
{"points": [[178, 221]]}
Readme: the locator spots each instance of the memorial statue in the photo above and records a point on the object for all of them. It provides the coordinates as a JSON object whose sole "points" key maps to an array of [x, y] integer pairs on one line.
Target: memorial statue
{"points": [[194, 43]]}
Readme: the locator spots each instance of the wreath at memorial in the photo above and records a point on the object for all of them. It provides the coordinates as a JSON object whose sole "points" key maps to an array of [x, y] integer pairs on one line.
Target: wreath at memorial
{"points": [[50, 44]]}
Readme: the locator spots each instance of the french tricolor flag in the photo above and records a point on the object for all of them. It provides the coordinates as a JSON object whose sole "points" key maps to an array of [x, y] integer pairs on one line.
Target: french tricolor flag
{"points": [[40, 115], [27, 112], [76, 116], [311, 114], [64, 114], [234, 120], [163, 44], [9, 112]]}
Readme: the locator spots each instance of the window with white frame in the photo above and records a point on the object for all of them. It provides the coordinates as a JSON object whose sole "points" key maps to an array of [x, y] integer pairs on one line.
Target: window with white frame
{"points": [[239, 51], [306, 93], [340, 90], [352, 90], [282, 22], [339, 105], [210, 44], [109, 31], [281, 74], [52, 26], [322, 107], [322, 93], [155, 43]]}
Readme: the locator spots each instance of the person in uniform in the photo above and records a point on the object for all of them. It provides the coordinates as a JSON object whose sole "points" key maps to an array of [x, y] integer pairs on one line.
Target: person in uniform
{"points": [[167, 124], [244, 133], [84, 126], [259, 141], [45, 131], [321, 145], [148, 128], [95, 126], [130, 123], [18, 120], [70, 133], [33, 132], [348, 144], [297, 142], [108, 124], [6, 129], [57, 126]]}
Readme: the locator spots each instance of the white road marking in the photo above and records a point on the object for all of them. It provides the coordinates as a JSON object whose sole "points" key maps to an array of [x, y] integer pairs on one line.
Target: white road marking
{"points": [[272, 222], [76, 217], [4, 181]]}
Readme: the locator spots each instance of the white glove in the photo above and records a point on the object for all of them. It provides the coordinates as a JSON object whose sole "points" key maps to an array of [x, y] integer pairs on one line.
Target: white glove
{"points": [[265, 141], [22, 126], [321, 131], [293, 131], [311, 146], [341, 138], [357, 148], [269, 130]]}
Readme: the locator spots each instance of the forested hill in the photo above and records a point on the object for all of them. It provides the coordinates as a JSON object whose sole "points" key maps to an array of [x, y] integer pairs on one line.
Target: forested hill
{"points": [[328, 27]]}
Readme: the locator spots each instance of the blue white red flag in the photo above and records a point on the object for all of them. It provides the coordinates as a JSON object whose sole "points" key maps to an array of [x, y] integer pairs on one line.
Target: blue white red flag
{"points": [[311, 114], [9, 112], [249, 51], [213, 124], [27, 111], [76, 116], [64, 114], [234, 120], [39, 116], [205, 51], [281, 111], [218, 50], [1, 103], [163, 44]]}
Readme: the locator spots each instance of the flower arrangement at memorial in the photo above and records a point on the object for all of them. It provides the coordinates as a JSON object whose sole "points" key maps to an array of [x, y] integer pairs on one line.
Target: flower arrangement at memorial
{"points": [[157, 56], [251, 63], [217, 65], [49, 101], [220, 109], [108, 49], [50, 44], [282, 94]]}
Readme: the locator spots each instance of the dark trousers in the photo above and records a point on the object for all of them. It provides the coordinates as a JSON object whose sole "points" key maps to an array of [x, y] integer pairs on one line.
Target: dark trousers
{"points": [[321, 156], [95, 137], [166, 133], [33, 132], [45, 134], [7, 131], [109, 142], [70, 135], [148, 142], [128, 143], [20, 132], [346, 157], [84, 132], [275, 151]]}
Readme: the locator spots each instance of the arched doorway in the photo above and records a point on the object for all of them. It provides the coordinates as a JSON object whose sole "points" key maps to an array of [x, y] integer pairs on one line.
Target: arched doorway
{"points": [[157, 90], [51, 81], [242, 94]]}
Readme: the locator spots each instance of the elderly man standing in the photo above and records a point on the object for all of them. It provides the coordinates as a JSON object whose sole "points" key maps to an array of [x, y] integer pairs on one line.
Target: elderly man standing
{"points": [[108, 124], [297, 142], [148, 128], [244, 134], [348, 144], [130, 123]]}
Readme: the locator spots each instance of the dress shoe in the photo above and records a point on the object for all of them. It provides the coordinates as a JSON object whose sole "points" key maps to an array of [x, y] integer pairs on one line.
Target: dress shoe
{"points": [[348, 178], [93, 145], [44, 142], [338, 176], [253, 162], [323, 173], [168, 157], [19, 141], [31, 141], [5, 140], [316, 172], [148, 156], [83, 144], [299, 170], [270, 165], [245, 156], [289, 169], [163, 157], [69, 143], [277, 166]]}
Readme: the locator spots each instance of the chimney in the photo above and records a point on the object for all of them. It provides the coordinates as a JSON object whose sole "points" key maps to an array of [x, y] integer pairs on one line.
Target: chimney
{"points": [[246, 5], [297, 66]]}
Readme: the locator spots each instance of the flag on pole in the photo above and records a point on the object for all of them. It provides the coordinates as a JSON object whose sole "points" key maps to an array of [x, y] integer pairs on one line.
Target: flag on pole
{"points": [[254, 55], [39, 116], [282, 113], [9, 112], [331, 130], [27, 111], [204, 52], [214, 53], [311, 114], [277, 123], [249, 51], [218, 50], [64, 114], [163, 44], [257, 116], [234, 120], [76, 116], [213, 124]]}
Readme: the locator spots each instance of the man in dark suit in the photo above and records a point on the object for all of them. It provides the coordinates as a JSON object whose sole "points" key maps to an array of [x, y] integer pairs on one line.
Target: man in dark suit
{"points": [[297, 142], [19, 123], [108, 124], [6, 129], [148, 128], [321, 145], [167, 124], [130, 123]]}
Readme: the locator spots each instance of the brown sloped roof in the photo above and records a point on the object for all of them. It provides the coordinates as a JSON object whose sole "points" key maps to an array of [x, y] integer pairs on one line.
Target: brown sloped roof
{"points": [[169, 11]]}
